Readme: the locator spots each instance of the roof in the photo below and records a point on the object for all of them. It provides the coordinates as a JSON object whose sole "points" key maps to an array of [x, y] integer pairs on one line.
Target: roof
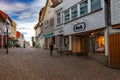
{"points": [[41, 13], [4, 15], [36, 26], [18, 34], [55, 3]]}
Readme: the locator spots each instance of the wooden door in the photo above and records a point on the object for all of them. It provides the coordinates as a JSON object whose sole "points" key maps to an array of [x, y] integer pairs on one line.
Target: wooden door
{"points": [[114, 50], [76, 46]]}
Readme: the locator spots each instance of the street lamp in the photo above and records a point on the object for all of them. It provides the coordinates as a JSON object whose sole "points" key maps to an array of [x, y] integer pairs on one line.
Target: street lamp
{"points": [[7, 26]]}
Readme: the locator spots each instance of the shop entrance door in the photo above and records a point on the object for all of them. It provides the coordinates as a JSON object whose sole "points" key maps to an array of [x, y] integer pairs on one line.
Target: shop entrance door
{"points": [[114, 50], [80, 45], [76, 45]]}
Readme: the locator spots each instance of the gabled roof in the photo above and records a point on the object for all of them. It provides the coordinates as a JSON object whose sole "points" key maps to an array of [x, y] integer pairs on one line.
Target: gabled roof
{"points": [[42, 9], [4, 15], [41, 13]]}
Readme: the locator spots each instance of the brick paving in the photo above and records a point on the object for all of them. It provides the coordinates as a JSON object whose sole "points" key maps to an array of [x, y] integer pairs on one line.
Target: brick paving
{"points": [[37, 64]]}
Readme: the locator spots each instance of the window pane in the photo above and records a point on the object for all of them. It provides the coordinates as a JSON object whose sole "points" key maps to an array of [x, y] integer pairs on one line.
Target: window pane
{"points": [[96, 4], [74, 11], [67, 15], [58, 17], [83, 8]]}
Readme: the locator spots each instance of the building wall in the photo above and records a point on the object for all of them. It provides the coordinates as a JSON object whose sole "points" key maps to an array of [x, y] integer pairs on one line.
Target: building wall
{"points": [[68, 3], [93, 21], [58, 28], [37, 31], [49, 14], [48, 23], [1, 32], [115, 11], [59, 7], [115, 16], [13, 29]]}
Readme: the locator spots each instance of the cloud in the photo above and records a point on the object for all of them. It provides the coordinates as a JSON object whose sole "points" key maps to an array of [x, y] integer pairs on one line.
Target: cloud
{"points": [[11, 8], [24, 14]]}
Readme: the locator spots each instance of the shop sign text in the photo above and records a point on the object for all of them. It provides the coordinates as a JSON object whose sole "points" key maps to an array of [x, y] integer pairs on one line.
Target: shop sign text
{"points": [[79, 27]]}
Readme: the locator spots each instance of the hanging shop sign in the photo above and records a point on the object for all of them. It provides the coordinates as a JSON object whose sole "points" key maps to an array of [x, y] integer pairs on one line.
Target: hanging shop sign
{"points": [[79, 27]]}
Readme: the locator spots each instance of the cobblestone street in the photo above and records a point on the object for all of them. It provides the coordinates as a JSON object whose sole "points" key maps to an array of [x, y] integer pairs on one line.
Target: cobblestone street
{"points": [[36, 64]]}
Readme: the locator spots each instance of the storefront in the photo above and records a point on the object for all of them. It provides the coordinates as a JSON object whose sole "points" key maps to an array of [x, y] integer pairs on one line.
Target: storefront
{"points": [[88, 36], [78, 41], [97, 42], [48, 38], [59, 38], [114, 46]]}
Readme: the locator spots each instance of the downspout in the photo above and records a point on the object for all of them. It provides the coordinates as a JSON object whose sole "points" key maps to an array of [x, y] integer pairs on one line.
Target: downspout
{"points": [[107, 24]]}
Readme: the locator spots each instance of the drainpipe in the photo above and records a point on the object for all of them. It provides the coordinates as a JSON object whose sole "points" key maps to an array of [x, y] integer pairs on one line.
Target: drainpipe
{"points": [[107, 24]]}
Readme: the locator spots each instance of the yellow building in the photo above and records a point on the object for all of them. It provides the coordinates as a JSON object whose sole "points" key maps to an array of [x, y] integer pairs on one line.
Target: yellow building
{"points": [[12, 37]]}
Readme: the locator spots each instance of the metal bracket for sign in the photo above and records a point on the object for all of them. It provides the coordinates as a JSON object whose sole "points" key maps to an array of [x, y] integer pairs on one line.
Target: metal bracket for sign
{"points": [[79, 27]]}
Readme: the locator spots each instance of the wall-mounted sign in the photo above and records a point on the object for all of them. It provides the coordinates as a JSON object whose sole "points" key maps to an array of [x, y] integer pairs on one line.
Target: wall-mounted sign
{"points": [[79, 27]]}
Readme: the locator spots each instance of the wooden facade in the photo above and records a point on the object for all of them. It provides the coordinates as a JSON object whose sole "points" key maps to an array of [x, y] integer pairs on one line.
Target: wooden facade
{"points": [[80, 45], [76, 45], [114, 50]]}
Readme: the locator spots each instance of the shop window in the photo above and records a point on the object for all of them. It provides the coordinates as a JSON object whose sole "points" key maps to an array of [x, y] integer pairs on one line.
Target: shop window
{"points": [[67, 15], [74, 12], [99, 44], [95, 4], [83, 8]]}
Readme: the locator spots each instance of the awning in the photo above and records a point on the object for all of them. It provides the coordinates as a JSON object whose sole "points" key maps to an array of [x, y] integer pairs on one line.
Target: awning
{"points": [[49, 35]]}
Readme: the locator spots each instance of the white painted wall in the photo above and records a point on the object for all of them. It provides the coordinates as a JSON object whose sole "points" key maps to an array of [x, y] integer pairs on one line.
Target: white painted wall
{"points": [[93, 21], [1, 27], [42, 42], [58, 28], [49, 11], [48, 15], [115, 11], [37, 31], [69, 3]]}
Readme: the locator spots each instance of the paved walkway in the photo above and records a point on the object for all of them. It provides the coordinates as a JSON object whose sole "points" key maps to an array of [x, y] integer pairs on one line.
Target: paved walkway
{"points": [[36, 64]]}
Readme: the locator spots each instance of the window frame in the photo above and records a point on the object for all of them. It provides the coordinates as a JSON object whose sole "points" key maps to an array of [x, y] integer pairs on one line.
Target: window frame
{"points": [[83, 7], [94, 9], [75, 16], [68, 11], [59, 17]]}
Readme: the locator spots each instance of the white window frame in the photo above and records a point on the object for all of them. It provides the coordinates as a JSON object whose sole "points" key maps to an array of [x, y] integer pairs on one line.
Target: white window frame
{"points": [[65, 15], [76, 6]]}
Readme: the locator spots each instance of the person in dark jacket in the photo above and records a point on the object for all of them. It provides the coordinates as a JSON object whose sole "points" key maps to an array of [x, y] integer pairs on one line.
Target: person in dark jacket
{"points": [[51, 46]]}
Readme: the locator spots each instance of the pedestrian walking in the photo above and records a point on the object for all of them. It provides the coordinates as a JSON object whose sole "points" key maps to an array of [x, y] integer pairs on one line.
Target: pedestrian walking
{"points": [[51, 46]]}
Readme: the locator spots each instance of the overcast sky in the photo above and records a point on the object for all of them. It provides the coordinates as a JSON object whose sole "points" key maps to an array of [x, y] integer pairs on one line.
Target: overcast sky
{"points": [[25, 13]]}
